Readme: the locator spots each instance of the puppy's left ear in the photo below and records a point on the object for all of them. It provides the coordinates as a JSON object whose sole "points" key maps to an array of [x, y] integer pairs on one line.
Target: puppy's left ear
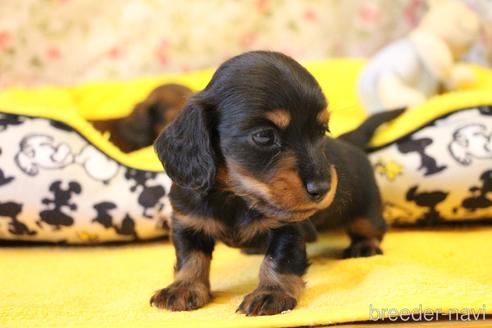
{"points": [[185, 147]]}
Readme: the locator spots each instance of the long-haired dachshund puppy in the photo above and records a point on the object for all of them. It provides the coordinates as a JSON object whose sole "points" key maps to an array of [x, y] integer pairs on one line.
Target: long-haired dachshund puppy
{"points": [[147, 119], [250, 161]]}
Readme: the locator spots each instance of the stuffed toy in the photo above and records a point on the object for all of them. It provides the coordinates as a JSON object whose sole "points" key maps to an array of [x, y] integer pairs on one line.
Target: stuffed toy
{"points": [[409, 71], [481, 52]]}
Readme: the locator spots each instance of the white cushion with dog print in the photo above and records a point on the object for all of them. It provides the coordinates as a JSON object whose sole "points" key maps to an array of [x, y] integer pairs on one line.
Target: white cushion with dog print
{"points": [[56, 186], [441, 172]]}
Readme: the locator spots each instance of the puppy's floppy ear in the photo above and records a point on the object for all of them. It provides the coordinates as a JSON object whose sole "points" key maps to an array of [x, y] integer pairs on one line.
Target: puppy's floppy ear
{"points": [[136, 128], [185, 147]]}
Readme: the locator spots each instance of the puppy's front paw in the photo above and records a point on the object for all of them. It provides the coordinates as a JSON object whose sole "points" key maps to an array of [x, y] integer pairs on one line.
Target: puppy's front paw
{"points": [[266, 302], [363, 248], [180, 296]]}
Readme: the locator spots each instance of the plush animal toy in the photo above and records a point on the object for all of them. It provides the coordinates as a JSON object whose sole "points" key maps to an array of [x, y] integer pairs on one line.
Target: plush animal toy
{"points": [[410, 70], [481, 52]]}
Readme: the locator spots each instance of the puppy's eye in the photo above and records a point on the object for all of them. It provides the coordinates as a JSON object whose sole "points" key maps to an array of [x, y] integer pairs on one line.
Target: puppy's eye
{"points": [[265, 138]]}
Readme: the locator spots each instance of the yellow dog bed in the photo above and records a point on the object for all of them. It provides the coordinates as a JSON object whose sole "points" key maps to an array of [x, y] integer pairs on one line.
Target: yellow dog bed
{"points": [[82, 189]]}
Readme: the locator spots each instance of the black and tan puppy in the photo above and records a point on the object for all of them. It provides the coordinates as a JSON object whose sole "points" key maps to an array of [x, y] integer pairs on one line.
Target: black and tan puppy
{"points": [[147, 119], [250, 162]]}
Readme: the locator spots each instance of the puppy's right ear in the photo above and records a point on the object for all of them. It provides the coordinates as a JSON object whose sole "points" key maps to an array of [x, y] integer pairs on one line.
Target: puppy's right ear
{"points": [[185, 148]]}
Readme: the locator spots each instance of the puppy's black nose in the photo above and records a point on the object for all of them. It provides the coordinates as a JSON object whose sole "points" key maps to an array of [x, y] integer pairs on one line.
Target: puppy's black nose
{"points": [[317, 189]]}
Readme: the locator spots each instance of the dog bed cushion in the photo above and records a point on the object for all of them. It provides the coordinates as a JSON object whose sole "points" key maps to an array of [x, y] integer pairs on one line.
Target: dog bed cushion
{"points": [[63, 181], [441, 171]]}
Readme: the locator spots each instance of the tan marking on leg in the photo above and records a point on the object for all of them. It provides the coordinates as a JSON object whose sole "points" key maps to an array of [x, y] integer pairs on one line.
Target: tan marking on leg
{"points": [[363, 227], [196, 268], [290, 283], [363, 248], [275, 293], [191, 287], [374, 242], [209, 226], [366, 238], [279, 117]]}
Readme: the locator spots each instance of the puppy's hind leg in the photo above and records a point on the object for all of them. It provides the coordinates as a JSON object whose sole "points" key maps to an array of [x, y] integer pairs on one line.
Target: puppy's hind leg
{"points": [[366, 226], [366, 234]]}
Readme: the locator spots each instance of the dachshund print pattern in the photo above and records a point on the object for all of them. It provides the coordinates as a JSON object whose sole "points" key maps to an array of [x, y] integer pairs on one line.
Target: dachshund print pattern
{"points": [[441, 172], [56, 186]]}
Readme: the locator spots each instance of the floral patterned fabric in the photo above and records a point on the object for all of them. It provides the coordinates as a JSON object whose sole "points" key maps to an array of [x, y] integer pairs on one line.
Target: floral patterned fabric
{"points": [[69, 41]]}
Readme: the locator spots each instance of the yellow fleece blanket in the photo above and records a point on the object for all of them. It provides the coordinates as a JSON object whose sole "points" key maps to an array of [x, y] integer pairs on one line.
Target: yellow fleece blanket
{"points": [[111, 286]]}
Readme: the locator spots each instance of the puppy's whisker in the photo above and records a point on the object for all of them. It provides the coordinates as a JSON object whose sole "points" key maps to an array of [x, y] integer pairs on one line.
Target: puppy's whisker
{"points": [[270, 162]]}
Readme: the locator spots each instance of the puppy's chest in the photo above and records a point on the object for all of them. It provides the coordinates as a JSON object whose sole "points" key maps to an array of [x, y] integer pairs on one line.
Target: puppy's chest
{"points": [[246, 231], [224, 217], [236, 227]]}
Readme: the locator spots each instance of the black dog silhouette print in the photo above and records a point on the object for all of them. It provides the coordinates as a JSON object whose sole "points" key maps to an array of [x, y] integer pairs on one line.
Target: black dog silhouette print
{"points": [[4, 179], [105, 218], [479, 198], [418, 146], [8, 119], [12, 210], [430, 200], [150, 196], [55, 216]]}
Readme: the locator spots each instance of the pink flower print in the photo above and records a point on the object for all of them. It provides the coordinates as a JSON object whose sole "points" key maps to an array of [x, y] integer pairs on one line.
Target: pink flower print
{"points": [[53, 53], [310, 15], [161, 52], [369, 13], [4, 40], [411, 12], [247, 39], [115, 53], [262, 6]]}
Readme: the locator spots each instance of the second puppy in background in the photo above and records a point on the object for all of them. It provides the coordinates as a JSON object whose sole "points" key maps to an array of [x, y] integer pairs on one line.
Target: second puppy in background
{"points": [[147, 120]]}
